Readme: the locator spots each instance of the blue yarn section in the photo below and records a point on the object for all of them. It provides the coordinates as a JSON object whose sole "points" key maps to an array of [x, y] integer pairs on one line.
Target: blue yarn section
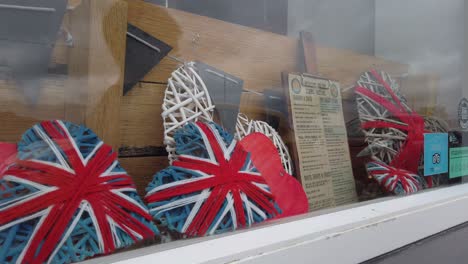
{"points": [[32, 146], [14, 239], [83, 242], [189, 141], [175, 218]]}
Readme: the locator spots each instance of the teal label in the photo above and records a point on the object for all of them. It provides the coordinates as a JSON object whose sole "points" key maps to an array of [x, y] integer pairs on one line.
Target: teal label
{"points": [[435, 153]]}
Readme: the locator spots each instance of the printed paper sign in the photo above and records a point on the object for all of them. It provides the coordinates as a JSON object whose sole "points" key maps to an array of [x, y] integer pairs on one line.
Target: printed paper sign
{"points": [[435, 153], [320, 141], [458, 162]]}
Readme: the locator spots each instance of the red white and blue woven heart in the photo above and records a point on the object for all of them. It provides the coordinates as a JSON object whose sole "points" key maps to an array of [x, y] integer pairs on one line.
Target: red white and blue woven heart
{"points": [[394, 180], [212, 187], [394, 132], [67, 199]]}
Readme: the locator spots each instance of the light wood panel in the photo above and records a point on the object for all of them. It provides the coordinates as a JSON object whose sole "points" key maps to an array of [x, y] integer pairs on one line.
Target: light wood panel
{"points": [[143, 169], [91, 93], [346, 66], [17, 114], [141, 121], [255, 56], [421, 92]]}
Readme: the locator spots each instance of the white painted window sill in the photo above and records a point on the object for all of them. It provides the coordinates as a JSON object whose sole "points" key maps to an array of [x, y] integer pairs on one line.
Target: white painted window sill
{"points": [[344, 235]]}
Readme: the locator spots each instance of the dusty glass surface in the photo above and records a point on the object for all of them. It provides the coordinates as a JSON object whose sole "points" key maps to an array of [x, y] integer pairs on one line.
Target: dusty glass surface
{"points": [[301, 106]]}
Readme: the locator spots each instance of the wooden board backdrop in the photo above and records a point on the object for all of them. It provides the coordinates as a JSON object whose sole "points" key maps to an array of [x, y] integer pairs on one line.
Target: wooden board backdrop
{"points": [[91, 93], [256, 56]]}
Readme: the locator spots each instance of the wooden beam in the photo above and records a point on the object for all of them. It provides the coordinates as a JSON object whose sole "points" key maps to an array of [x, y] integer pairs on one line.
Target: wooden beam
{"points": [[96, 67]]}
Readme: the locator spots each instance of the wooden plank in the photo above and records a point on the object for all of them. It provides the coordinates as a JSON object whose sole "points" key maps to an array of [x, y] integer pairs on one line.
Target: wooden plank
{"points": [[17, 115], [141, 121], [77, 86], [256, 56], [143, 169], [107, 62], [421, 92], [309, 50], [346, 66], [91, 93]]}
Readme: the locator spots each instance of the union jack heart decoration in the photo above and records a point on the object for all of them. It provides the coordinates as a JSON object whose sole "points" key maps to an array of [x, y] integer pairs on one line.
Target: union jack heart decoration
{"points": [[66, 198], [394, 132], [213, 186], [400, 181]]}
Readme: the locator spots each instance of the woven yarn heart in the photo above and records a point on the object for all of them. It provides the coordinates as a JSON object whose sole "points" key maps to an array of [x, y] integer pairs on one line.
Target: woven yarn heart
{"points": [[212, 187], [394, 132], [67, 199]]}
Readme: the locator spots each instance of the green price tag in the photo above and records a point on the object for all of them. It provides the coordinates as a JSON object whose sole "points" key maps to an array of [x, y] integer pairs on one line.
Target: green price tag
{"points": [[458, 162]]}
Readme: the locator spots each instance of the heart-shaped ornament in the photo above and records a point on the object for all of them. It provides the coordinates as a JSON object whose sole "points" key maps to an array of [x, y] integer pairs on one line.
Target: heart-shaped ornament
{"points": [[67, 199], [289, 193], [187, 99], [394, 132], [214, 185], [246, 127]]}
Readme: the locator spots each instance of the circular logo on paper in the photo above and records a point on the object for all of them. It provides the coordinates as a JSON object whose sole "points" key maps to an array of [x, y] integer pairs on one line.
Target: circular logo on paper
{"points": [[334, 90], [463, 113], [296, 86], [436, 158]]}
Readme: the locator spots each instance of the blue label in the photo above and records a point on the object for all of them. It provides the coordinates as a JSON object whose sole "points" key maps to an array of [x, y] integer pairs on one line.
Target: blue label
{"points": [[435, 153]]}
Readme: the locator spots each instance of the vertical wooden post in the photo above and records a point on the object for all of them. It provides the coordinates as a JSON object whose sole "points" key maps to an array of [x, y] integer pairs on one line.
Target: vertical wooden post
{"points": [[309, 52], [97, 60]]}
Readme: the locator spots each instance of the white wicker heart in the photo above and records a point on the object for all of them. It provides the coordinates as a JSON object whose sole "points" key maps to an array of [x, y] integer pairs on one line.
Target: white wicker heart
{"points": [[245, 127], [186, 100]]}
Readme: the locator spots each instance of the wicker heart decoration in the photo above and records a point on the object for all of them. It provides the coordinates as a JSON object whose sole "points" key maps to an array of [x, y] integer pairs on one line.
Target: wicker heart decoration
{"points": [[394, 132], [187, 100], [213, 186], [246, 127], [67, 199]]}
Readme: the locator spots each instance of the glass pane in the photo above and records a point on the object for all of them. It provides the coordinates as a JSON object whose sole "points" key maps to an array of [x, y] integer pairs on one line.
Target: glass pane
{"points": [[131, 123]]}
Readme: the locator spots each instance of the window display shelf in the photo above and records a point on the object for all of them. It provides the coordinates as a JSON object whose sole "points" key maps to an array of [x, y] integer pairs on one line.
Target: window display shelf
{"points": [[359, 233]]}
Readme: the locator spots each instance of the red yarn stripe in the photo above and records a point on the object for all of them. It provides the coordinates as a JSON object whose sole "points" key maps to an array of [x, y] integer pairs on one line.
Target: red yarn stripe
{"points": [[240, 214], [414, 143], [226, 178]]}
